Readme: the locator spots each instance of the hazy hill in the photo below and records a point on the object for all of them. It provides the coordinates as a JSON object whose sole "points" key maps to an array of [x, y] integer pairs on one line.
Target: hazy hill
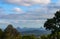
{"points": [[35, 31]]}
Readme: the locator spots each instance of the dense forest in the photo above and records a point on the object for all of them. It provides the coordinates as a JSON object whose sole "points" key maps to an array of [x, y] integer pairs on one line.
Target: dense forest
{"points": [[52, 25]]}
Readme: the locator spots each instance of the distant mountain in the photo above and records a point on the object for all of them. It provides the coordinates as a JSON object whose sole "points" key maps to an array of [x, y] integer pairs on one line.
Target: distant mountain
{"points": [[28, 29], [19, 29], [35, 31]]}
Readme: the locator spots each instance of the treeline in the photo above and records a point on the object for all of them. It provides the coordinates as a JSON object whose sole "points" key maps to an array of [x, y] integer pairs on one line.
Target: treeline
{"points": [[11, 33]]}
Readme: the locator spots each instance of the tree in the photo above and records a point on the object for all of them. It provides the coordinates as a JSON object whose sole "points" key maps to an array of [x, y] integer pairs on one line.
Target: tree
{"points": [[11, 33], [1, 33], [53, 24]]}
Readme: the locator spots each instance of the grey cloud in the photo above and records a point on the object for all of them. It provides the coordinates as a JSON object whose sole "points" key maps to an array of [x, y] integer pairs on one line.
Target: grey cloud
{"points": [[34, 15]]}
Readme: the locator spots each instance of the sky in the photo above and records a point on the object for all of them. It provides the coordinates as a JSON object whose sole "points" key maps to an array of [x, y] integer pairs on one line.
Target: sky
{"points": [[27, 13]]}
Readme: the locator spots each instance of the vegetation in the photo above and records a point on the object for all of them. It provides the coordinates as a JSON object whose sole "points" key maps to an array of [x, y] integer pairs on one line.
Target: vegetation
{"points": [[52, 24], [10, 33]]}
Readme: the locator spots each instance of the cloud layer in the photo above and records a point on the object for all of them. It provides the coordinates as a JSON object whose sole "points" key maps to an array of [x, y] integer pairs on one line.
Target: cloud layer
{"points": [[33, 16], [27, 2]]}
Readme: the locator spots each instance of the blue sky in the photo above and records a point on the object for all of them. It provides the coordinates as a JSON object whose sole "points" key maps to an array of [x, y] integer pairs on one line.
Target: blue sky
{"points": [[27, 13]]}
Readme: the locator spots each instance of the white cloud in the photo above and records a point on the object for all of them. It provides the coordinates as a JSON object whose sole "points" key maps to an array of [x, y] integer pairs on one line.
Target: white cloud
{"points": [[17, 10], [28, 2]]}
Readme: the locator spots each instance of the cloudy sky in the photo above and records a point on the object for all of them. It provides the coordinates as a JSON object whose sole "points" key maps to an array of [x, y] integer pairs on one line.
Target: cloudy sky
{"points": [[27, 13]]}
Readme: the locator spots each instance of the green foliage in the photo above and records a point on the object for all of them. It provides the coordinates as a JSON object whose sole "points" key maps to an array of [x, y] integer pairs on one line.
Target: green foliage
{"points": [[53, 24], [43, 37]]}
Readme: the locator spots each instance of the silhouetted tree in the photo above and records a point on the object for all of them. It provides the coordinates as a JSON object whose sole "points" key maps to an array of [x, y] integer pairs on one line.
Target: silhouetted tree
{"points": [[11, 33], [1, 33], [53, 24]]}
